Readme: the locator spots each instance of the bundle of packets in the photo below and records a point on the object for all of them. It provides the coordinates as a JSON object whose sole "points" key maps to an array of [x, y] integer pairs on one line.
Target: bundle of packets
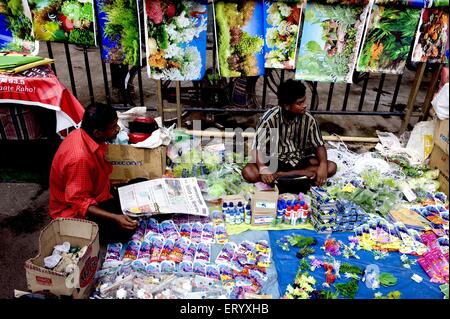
{"points": [[243, 268], [323, 210], [437, 216], [378, 234], [348, 216], [121, 283], [161, 247]]}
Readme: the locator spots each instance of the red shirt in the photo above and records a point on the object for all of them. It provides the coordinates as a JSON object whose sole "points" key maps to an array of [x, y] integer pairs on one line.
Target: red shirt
{"points": [[79, 176]]}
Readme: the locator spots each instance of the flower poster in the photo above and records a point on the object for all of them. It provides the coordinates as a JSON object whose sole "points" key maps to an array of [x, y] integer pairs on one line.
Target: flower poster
{"points": [[282, 21], [409, 3], [431, 36], [68, 20], [16, 31], [330, 41], [176, 39], [119, 28], [388, 40], [240, 37]]}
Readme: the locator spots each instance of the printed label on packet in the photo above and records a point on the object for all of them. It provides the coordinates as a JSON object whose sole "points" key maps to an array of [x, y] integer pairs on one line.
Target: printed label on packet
{"points": [[263, 247], [208, 233], [145, 251], [167, 249], [112, 257], [139, 265], [152, 227], [168, 266], [189, 253], [226, 276], [178, 250], [153, 268], [226, 254], [203, 253], [217, 217], [221, 235], [199, 268], [185, 230], [196, 233], [140, 231], [169, 230], [186, 267], [212, 272], [263, 261], [157, 242], [132, 250]]}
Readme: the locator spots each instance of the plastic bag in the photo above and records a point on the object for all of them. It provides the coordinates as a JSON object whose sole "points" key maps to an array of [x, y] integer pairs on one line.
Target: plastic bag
{"points": [[421, 139]]}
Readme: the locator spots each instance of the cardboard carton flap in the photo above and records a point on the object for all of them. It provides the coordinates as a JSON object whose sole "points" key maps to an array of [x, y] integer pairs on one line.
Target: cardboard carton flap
{"points": [[78, 228]]}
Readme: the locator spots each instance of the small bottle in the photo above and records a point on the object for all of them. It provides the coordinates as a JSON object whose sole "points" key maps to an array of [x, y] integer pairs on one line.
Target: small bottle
{"points": [[303, 212], [225, 211], [287, 216], [295, 202], [184, 173], [295, 215], [240, 213], [231, 213], [248, 214], [280, 212]]}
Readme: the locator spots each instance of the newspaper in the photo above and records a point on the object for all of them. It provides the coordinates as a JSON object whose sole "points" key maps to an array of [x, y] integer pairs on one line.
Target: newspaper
{"points": [[163, 196]]}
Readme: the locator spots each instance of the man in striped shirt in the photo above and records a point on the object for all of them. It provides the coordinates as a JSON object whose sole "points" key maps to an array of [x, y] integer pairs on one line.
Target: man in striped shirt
{"points": [[288, 142]]}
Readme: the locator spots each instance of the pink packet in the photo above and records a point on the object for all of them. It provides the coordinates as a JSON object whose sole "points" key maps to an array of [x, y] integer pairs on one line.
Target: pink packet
{"points": [[208, 233], [140, 231], [203, 253], [152, 227], [185, 230], [157, 242], [189, 253], [199, 268], [167, 249], [178, 250], [169, 230], [132, 250], [196, 233], [145, 251], [226, 254]]}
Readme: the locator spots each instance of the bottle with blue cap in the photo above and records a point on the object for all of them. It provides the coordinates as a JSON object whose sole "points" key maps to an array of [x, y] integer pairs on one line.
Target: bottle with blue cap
{"points": [[248, 214], [232, 213], [280, 211], [240, 213]]}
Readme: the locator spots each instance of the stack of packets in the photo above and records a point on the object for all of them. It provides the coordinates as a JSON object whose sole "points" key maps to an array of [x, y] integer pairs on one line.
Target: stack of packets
{"points": [[335, 216], [323, 210], [433, 209], [378, 234], [435, 261], [163, 247]]}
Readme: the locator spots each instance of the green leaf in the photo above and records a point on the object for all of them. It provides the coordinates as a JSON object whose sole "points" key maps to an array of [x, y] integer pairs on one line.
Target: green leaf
{"points": [[313, 47], [387, 279]]}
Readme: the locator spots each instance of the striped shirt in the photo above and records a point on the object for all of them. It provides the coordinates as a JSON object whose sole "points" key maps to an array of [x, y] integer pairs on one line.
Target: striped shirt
{"points": [[290, 141]]}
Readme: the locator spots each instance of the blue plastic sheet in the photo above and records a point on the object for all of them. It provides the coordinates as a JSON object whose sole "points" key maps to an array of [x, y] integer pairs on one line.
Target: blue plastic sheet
{"points": [[287, 265]]}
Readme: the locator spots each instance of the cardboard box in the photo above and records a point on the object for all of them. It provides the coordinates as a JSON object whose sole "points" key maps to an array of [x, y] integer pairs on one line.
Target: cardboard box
{"points": [[441, 135], [444, 184], [130, 162], [78, 284], [264, 206], [439, 160]]}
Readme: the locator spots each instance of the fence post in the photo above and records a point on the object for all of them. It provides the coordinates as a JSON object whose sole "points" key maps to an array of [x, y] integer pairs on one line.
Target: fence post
{"points": [[412, 96], [430, 92]]}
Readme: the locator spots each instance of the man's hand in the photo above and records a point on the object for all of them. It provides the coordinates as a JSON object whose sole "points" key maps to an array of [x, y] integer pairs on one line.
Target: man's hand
{"points": [[267, 176], [322, 174], [125, 222]]}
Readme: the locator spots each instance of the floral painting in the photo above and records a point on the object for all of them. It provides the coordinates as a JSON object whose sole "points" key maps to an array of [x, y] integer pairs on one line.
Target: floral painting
{"points": [[16, 31], [69, 20], [282, 20], [330, 41], [388, 40], [119, 28], [240, 37], [176, 39], [431, 37]]}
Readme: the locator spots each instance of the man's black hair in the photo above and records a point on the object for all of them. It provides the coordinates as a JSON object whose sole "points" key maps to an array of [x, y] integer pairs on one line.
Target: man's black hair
{"points": [[290, 91], [98, 116]]}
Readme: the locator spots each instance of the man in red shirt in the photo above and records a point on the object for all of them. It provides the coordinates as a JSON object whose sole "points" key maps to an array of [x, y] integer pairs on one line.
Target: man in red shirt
{"points": [[79, 177]]}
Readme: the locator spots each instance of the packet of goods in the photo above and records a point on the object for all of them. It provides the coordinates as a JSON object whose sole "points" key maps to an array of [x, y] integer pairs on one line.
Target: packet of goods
{"points": [[178, 250], [157, 242], [112, 258], [152, 228], [186, 267], [185, 230], [145, 251], [167, 249], [196, 233], [226, 254], [168, 266], [189, 254], [221, 235], [153, 268], [217, 217], [132, 250], [208, 233], [199, 268], [226, 276], [139, 265], [140, 231], [203, 253], [169, 230], [212, 272]]}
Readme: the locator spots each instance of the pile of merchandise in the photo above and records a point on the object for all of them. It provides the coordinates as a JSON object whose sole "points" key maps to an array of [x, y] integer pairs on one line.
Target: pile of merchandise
{"points": [[64, 258]]}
